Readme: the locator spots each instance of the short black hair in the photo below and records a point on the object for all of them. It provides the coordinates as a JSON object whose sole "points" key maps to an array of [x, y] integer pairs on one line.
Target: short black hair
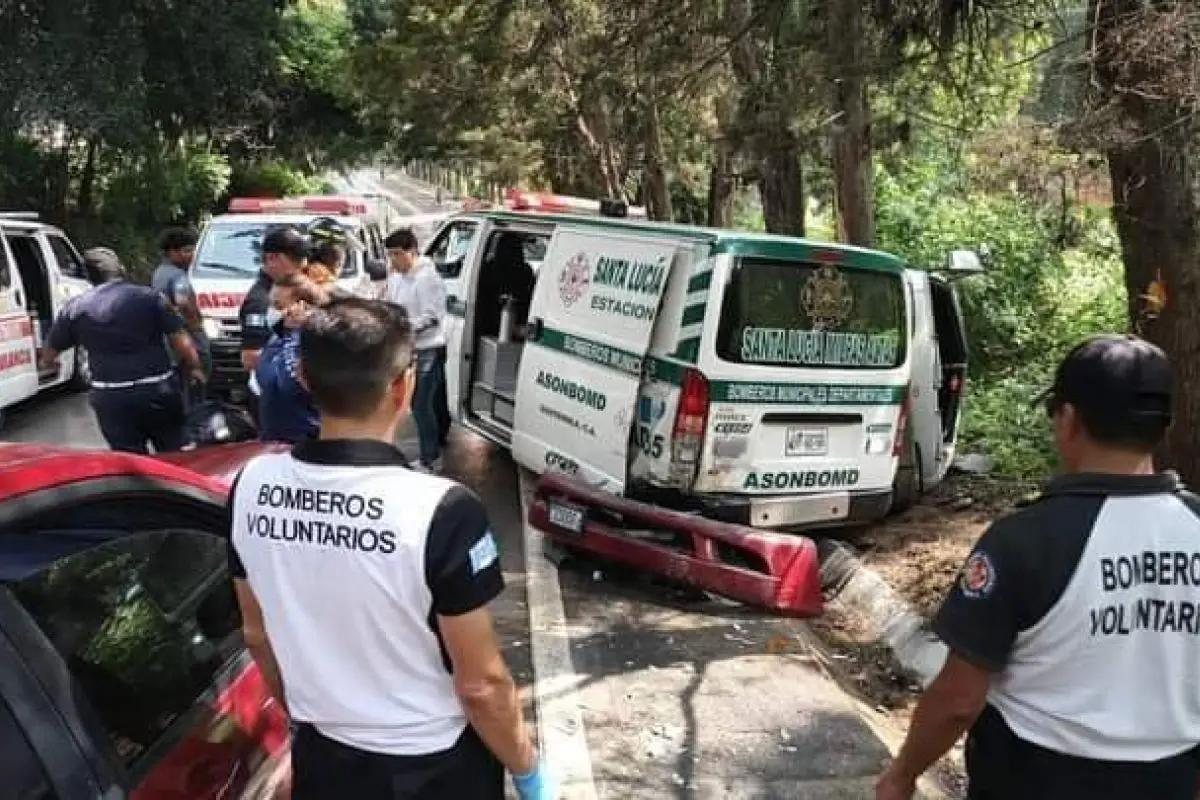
{"points": [[286, 240], [402, 239], [327, 253], [176, 239], [351, 350]]}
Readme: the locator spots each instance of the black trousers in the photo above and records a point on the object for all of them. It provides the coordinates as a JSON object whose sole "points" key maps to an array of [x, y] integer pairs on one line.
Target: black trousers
{"points": [[323, 769], [137, 416], [1002, 766]]}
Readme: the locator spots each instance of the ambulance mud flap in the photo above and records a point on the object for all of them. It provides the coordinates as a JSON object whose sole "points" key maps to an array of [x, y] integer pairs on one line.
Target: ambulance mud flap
{"points": [[775, 571]]}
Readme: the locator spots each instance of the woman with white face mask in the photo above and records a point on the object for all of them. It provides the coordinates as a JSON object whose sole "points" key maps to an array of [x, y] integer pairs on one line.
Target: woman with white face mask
{"points": [[286, 410]]}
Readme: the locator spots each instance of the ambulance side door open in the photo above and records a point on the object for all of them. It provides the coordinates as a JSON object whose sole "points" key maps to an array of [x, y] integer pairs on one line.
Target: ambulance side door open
{"points": [[18, 353], [595, 304], [453, 250]]}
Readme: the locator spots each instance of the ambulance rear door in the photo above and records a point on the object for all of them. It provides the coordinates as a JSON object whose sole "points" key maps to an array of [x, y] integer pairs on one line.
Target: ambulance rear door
{"points": [[594, 310], [18, 352]]}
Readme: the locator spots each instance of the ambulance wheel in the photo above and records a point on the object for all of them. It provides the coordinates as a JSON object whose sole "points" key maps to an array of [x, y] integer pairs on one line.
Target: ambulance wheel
{"points": [[81, 376], [908, 486]]}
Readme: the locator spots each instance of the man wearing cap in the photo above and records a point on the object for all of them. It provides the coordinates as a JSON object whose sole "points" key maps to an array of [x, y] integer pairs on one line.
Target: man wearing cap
{"points": [[1074, 627], [135, 391]]}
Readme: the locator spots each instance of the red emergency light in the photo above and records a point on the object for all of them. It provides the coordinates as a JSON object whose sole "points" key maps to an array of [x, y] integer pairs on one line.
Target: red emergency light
{"points": [[326, 204], [545, 203]]}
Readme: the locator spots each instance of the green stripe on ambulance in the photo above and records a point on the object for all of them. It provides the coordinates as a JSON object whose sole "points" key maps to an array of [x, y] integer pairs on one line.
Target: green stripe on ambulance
{"points": [[806, 394]]}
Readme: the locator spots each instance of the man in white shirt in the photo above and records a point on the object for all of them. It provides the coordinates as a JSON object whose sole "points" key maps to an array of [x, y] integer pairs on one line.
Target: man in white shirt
{"points": [[415, 285]]}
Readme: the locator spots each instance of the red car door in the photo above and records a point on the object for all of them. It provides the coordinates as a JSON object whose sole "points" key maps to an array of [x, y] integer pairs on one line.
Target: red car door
{"points": [[121, 564]]}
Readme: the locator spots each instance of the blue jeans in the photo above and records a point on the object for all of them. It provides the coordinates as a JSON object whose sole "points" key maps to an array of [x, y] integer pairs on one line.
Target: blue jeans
{"points": [[430, 391]]}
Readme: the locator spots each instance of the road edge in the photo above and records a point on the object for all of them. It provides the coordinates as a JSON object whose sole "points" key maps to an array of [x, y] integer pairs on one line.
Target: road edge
{"points": [[561, 733]]}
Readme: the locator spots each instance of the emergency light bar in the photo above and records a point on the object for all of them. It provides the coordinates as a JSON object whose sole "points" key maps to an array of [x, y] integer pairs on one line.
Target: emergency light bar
{"points": [[518, 200], [330, 204]]}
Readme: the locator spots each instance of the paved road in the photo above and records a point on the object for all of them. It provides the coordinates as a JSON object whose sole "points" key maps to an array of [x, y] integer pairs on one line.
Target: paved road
{"points": [[645, 694]]}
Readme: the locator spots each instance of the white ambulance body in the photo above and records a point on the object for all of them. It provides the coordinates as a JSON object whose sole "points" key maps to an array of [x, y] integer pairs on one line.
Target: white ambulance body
{"points": [[761, 379], [40, 270]]}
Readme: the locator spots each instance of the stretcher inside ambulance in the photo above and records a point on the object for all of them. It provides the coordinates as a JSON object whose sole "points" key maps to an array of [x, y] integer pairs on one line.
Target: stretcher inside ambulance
{"points": [[757, 379], [40, 270]]}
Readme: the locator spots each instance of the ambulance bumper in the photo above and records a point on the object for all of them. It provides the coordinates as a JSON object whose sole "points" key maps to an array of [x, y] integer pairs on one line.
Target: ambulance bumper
{"points": [[786, 512]]}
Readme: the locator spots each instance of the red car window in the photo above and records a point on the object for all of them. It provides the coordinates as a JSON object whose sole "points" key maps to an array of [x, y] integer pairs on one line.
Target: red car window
{"points": [[146, 624]]}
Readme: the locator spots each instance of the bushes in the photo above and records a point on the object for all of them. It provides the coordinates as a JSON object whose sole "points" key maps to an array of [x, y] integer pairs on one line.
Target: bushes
{"points": [[1034, 302]]}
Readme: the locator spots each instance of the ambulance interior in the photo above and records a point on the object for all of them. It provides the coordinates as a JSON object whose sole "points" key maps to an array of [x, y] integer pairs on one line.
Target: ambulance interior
{"points": [[503, 294], [952, 354], [35, 279]]}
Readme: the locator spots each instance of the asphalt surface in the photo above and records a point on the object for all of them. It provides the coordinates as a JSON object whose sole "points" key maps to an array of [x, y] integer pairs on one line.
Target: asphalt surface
{"points": [[680, 696]]}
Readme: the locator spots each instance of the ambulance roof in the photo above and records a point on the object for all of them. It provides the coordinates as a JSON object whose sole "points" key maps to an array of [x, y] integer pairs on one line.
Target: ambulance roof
{"points": [[736, 243]]}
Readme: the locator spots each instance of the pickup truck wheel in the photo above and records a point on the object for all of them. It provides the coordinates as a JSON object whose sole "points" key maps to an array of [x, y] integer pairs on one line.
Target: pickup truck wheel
{"points": [[81, 376], [908, 485]]}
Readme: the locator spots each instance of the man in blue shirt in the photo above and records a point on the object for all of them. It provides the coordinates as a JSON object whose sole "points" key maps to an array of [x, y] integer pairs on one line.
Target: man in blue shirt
{"points": [[135, 391], [170, 278]]}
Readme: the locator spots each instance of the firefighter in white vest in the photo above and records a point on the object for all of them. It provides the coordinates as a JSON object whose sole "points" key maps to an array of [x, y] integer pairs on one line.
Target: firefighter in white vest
{"points": [[1074, 626], [364, 589]]}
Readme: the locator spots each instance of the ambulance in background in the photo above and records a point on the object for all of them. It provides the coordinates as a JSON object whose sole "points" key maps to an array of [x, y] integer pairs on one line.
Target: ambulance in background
{"points": [[228, 260], [40, 271], [759, 379]]}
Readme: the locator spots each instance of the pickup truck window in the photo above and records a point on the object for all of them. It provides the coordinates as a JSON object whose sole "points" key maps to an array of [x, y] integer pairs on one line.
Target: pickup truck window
{"points": [[69, 262]]}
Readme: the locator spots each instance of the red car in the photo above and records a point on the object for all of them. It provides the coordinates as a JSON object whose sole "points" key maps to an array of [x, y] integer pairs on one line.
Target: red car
{"points": [[122, 667]]}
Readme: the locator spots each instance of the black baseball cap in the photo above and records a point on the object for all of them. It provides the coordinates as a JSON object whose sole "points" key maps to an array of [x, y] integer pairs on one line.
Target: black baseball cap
{"points": [[286, 240], [1116, 379]]}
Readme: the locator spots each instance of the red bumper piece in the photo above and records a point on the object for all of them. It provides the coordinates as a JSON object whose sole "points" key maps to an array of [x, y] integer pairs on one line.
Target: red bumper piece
{"points": [[776, 571]]}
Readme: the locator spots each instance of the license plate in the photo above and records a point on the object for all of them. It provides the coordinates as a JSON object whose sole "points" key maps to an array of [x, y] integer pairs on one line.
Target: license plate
{"points": [[566, 517], [807, 441]]}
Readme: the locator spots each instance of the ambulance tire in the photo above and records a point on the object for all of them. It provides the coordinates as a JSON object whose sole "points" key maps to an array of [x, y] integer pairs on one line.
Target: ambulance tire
{"points": [[908, 485], [81, 375]]}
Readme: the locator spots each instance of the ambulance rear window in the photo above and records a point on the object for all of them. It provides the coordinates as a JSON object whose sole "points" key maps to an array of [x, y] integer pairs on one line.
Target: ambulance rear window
{"points": [[802, 314]]}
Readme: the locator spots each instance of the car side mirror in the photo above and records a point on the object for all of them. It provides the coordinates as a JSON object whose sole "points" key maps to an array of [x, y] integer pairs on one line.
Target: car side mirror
{"points": [[377, 270], [964, 262]]}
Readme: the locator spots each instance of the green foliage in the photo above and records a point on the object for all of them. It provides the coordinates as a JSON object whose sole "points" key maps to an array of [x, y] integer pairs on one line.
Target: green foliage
{"points": [[1034, 302], [272, 178]]}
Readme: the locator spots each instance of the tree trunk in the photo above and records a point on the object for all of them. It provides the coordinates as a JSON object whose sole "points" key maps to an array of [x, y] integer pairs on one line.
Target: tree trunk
{"points": [[854, 184], [720, 187], [87, 181], [1156, 206], [658, 189], [781, 184]]}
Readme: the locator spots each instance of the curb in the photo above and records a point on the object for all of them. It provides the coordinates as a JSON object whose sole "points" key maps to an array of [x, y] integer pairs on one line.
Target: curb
{"points": [[850, 584]]}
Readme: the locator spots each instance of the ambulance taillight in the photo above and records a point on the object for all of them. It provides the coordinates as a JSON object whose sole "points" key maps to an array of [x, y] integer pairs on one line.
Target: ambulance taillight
{"points": [[691, 422]]}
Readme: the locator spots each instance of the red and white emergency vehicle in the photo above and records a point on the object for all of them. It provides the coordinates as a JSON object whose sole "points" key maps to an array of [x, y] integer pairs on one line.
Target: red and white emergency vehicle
{"points": [[40, 270], [228, 259]]}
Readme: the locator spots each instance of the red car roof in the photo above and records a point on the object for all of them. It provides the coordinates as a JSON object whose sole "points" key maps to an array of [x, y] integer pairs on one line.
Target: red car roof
{"points": [[26, 468]]}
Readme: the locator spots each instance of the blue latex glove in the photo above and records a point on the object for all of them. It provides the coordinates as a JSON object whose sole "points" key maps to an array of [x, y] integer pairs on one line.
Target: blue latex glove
{"points": [[537, 785]]}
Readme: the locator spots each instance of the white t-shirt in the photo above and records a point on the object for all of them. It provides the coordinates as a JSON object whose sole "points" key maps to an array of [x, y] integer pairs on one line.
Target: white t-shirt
{"points": [[352, 556], [422, 293]]}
